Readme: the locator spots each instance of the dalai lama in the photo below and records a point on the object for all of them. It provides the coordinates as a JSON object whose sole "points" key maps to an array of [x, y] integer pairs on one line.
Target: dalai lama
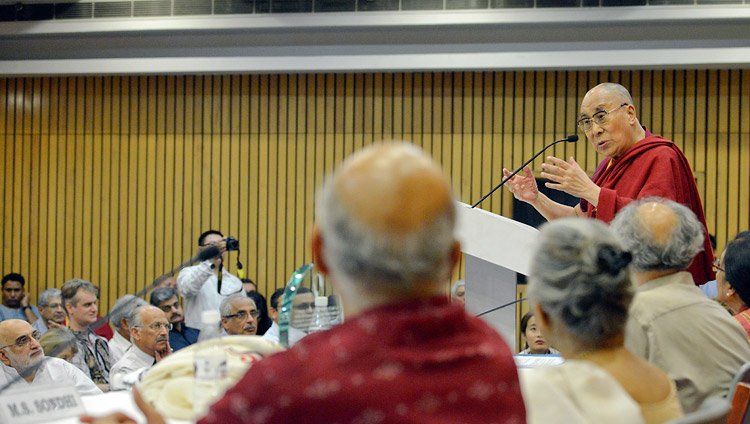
{"points": [[637, 164]]}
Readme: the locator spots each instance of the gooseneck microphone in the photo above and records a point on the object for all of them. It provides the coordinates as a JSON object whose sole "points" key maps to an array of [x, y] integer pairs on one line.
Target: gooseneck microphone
{"points": [[570, 139]]}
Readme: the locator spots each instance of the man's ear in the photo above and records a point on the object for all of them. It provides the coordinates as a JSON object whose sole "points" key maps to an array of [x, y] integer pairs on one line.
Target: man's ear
{"points": [[135, 334], [317, 250], [68, 308], [542, 318], [4, 358], [455, 256], [224, 323]]}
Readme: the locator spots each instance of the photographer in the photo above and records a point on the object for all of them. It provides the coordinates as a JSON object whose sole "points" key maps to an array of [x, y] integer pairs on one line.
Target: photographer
{"points": [[203, 286]]}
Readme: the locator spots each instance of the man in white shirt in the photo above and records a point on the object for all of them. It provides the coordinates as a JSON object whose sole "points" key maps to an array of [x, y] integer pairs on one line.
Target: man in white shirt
{"points": [[274, 310], [199, 284], [52, 311], [20, 351], [149, 330], [118, 317]]}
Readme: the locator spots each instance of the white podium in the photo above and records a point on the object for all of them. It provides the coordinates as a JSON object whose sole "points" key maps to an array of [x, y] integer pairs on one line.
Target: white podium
{"points": [[495, 249]]}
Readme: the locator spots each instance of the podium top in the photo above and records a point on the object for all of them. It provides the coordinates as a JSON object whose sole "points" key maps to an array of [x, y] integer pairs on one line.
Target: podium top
{"points": [[495, 239]]}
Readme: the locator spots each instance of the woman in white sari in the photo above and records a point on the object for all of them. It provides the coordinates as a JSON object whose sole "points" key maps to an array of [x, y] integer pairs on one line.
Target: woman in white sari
{"points": [[580, 291]]}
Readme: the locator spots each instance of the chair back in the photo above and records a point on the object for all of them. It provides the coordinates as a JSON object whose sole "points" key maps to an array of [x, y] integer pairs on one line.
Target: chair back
{"points": [[739, 413], [713, 410], [742, 376]]}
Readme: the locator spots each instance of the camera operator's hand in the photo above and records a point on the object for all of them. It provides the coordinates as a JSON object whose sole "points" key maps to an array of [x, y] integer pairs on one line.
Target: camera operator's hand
{"points": [[222, 246]]}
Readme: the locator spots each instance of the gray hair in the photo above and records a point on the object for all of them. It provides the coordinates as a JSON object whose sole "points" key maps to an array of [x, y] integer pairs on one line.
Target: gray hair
{"points": [[683, 241], [135, 319], [70, 289], [163, 294], [579, 276], [225, 308], [456, 285], [125, 308], [47, 295], [54, 338], [379, 259]]}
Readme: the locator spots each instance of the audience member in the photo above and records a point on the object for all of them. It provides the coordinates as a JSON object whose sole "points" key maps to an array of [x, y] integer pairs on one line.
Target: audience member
{"points": [[149, 331], [533, 338], [733, 278], [51, 311], [79, 298], [16, 300], [274, 310], [239, 315], [61, 339], [118, 317], [405, 354], [23, 361], [672, 323], [248, 285], [458, 293], [165, 281], [580, 291], [264, 321], [199, 284], [168, 300]]}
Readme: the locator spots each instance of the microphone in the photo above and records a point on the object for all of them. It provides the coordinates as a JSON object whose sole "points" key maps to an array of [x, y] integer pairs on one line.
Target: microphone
{"points": [[502, 306], [570, 139]]}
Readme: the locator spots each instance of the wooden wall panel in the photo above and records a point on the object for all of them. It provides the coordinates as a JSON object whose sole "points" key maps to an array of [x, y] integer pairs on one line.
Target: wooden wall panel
{"points": [[112, 178]]}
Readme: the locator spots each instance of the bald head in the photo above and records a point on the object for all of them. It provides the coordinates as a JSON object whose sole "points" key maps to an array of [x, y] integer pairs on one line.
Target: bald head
{"points": [[393, 188], [611, 90], [661, 234], [19, 347], [387, 217]]}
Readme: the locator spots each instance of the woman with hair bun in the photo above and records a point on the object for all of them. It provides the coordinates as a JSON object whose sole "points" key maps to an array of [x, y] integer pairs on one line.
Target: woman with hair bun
{"points": [[580, 292]]}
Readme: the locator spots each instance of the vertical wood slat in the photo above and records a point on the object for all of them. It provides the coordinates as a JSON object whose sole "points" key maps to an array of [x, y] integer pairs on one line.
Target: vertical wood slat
{"points": [[113, 178]]}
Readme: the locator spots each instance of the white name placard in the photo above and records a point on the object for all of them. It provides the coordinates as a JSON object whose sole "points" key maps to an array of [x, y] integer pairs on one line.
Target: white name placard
{"points": [[40, 404]]}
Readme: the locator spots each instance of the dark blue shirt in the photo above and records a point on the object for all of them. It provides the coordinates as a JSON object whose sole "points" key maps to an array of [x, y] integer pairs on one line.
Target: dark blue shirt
{"points": [[184, 338]]}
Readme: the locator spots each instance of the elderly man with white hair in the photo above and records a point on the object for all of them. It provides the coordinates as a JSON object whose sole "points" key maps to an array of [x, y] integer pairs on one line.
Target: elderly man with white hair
{"points": [[239, 316], [123, 308], [672, 323], [385, 240], [23, 361], [52, 311]]}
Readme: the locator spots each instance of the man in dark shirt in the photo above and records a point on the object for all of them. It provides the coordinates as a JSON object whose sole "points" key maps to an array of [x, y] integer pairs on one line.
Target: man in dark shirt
{"points": [[168, 300]]}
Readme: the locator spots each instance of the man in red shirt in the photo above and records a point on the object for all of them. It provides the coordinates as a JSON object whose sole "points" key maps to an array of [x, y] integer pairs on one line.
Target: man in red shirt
{"points": [[384, 238], [637, 164]]}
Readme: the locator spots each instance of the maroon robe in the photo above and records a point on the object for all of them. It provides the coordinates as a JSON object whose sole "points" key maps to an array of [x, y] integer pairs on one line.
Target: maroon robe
{"points": [[422, 361], [654, 166]]}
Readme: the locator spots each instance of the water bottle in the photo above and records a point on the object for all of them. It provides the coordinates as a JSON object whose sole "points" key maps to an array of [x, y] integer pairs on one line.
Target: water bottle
{"points": [[320, 318], [209, 364]]}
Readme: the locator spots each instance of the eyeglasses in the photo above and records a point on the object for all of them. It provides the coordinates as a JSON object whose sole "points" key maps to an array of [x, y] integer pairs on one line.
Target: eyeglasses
{"points": [[600, 118], [24, 340], [304, 306], [242, 315], [716, 264], [54, 306], [158, 326]]}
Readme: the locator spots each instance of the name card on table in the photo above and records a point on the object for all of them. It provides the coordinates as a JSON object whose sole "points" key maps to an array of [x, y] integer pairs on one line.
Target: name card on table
{"points": [[40, 404]]}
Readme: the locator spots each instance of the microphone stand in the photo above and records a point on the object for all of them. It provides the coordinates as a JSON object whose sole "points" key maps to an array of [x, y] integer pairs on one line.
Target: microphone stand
{"points": [[570, 138]]}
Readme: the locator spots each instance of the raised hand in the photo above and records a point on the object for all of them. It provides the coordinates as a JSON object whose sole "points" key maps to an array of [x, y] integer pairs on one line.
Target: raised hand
{"points": [[570, 178], [524, 187]]}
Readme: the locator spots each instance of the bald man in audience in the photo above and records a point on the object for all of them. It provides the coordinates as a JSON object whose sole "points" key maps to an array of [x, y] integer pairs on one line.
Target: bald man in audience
{"points": [[149, 330], [239, 316], [672, 323], [385, 240], [23, 361]]}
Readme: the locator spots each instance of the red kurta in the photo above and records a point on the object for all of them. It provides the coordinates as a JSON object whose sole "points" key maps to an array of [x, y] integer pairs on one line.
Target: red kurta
{"points": [[423, 361], [652, 167]]}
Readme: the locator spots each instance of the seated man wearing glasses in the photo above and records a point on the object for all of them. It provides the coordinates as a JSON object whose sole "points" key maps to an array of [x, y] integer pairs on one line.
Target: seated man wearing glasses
{"points": [[239, 315], [24, 361], [149, 330], [637, 164]]}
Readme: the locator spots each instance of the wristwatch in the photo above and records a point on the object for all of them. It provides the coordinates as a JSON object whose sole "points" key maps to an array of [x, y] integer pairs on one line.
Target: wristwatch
{"points": [[24, 308]]}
